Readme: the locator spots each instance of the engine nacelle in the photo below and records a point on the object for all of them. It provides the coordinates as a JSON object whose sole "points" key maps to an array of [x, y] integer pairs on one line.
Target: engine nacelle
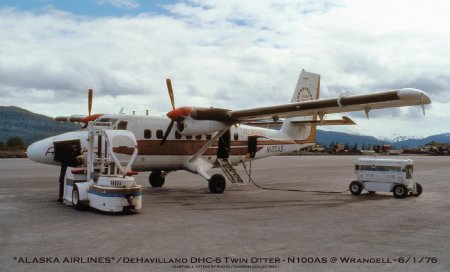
{"points": [[199, 127]]}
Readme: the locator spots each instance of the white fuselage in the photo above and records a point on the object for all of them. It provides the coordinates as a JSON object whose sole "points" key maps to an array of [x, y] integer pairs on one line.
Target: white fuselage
{"points": [[178, 149]]}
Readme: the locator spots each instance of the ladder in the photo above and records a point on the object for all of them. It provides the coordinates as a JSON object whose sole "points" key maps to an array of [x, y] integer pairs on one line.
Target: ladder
{"points": [[230, 171]]}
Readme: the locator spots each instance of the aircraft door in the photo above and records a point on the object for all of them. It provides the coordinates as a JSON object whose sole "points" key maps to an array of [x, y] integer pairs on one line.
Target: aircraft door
{"points": [[66, 152], [223, 150], [252, 144]]}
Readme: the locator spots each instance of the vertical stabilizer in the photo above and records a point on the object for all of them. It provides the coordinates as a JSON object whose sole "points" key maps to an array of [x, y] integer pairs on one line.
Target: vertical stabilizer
{"points": [[308, 88]]}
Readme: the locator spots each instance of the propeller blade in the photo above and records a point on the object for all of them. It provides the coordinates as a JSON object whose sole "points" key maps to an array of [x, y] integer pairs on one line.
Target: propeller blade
{"points": [[89, 101], [172, 98], [169, 128]]}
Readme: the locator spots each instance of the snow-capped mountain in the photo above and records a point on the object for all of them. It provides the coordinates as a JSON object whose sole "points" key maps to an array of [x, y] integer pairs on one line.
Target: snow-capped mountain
{"points": [[404, 138]]}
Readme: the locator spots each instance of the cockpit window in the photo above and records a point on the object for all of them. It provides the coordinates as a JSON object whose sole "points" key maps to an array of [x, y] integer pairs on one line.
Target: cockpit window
{"points": [[107, 120]]}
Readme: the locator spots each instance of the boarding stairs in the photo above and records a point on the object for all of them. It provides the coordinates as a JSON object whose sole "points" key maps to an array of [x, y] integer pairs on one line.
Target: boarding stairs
{"points": [[230, 171]]}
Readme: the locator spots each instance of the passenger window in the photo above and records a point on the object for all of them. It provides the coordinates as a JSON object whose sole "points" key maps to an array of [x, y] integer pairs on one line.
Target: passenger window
{"points": [[188, 137], [208, 136], [122, 125], [236, 136], [147, 134], [198, 137], [177, 135], [159, 134]]}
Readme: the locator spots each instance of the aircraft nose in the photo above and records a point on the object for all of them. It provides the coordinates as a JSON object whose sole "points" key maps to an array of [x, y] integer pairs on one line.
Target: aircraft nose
{"points": [[41, 151]]}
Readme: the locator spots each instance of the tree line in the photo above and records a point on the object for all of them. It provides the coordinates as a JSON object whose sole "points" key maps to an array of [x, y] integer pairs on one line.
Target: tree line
{"points": [[13, 143]]}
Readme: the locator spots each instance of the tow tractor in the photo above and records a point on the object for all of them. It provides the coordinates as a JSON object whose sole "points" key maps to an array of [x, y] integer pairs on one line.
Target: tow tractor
{"points": [[385, 175], [106, 183]]}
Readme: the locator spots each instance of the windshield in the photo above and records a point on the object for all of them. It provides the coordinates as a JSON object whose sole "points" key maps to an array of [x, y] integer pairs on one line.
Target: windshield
{"points": [[106, 120]]}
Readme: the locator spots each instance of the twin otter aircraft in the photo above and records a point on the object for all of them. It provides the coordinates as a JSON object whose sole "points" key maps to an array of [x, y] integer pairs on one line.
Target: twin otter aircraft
{"points": [[204, 138]]}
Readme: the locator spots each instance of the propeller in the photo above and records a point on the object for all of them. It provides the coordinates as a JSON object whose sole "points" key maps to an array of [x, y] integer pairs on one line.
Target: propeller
{"points": [[90, 117], [169, 128], [90, 96], [172, 101], [169, 88], [81, 118], [180, 114], [176, 114]]}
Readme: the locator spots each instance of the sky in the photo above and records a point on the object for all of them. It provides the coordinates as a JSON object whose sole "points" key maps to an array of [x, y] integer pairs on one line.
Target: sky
{"points": [[230, 54]]}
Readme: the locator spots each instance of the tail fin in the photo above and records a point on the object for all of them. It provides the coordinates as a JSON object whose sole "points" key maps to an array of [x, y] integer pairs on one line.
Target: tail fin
{"points": [[308, 88]]}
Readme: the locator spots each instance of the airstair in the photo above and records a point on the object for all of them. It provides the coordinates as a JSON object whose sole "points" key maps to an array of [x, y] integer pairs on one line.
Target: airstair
{"points": [[230, 171]]}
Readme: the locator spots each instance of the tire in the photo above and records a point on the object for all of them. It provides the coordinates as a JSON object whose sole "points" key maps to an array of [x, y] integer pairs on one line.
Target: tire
{"points": [[419, 189], [355, 187], [76, 199], [156, 179], [217, 184], [400, 191]]}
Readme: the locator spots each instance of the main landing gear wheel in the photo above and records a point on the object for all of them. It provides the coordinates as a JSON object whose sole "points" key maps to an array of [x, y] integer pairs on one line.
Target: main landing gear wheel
{"points": [[355, 187], [156, 179], [76, 199], [217, 184], [400, 191], [419, 189]]}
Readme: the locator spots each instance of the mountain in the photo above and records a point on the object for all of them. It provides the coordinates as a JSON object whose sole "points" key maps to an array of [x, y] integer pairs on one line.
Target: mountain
{"points": [[32, 127], [404, 138], [411, 143], [29, 126], [328, 137]]}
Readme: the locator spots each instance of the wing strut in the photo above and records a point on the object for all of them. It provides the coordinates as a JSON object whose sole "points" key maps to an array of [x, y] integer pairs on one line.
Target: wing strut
{"points": [[208, 144]]}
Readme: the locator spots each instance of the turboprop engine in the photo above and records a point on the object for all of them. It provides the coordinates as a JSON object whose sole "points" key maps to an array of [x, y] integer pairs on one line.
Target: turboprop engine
{"points": [[195, 120], [190, 126]]}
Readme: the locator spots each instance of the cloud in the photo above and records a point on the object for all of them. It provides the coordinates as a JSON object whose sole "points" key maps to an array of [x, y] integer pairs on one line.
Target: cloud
{"points": [[126, 4], [232, 54]]}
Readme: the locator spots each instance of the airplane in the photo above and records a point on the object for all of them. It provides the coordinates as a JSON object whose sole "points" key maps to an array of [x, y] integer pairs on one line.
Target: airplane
{"points": [[205, 138]]}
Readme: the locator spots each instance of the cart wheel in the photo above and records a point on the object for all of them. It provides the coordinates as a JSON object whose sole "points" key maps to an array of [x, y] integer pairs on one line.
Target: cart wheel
{"points": [[76, 199], [355, 187], [217, 184], [400, 191], [419, 189]]}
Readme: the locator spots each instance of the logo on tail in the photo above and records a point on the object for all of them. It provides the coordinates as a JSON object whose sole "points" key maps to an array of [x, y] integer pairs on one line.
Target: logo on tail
{"points": [[297, 128]]}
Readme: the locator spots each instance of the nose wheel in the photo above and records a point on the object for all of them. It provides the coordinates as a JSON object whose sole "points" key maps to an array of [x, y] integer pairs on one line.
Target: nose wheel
{"points": [[156, 179]]}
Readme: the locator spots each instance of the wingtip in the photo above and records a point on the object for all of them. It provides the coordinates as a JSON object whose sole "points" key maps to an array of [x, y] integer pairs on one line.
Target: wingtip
{"points": [[415, 95]]}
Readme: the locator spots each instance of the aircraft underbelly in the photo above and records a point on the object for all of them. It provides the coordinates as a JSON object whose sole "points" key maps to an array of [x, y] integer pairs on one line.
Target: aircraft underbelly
{"points": [[177, 162]]}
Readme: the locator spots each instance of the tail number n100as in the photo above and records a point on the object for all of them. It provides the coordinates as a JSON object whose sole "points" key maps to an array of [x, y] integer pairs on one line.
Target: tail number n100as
{"points": [[275, 148]]}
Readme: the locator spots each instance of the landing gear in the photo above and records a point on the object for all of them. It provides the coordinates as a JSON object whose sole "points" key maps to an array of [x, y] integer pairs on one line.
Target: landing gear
{"points": [[156, 179], [217, 184]]}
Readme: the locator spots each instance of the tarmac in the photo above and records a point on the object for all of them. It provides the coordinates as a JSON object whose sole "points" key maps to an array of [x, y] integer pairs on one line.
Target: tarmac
{"points": [[182, 227]]}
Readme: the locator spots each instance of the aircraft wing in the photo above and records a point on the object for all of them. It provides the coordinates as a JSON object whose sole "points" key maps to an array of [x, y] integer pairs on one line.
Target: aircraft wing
{"points": [[320, 107]]}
